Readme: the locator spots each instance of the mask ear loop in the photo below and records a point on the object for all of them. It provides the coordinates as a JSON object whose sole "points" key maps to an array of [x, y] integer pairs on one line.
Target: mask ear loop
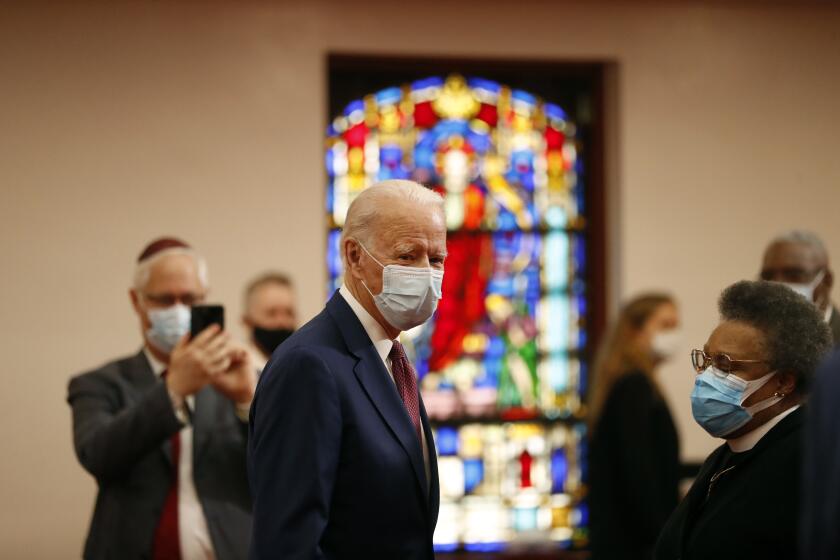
{"points": [[374, 260], [368, 252]]}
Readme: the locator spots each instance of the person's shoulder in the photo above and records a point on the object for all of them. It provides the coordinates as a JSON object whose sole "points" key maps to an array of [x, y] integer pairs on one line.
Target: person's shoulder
{"points": [[108, 373], [829, 371], [633, 382]]}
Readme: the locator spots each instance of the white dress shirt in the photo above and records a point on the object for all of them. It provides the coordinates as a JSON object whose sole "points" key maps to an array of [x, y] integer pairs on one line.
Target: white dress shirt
{"points": [[750, 439], [383, 344], [192, 526]]}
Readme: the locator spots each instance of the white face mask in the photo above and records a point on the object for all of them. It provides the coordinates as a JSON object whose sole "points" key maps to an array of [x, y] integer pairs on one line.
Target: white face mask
{"points": [[665, 344], [409, 295], [169, 325], [806, 290]]}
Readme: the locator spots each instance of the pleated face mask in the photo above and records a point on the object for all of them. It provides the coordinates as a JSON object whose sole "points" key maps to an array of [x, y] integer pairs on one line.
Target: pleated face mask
{"points": [[409, 294], [718, 397]]}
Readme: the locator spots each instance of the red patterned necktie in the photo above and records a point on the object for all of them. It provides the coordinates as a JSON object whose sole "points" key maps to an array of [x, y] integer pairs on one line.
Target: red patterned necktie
{"points": [[406, 382], [167, 544]]}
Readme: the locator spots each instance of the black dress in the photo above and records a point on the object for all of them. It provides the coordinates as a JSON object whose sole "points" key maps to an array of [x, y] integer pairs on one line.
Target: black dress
{"points": [[633, 471], [742, 505]]}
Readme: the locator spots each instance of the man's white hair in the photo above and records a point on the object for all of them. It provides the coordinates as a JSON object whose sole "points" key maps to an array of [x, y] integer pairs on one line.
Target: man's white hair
{"points": [[373, 202], [143, 270], [803, 237]]}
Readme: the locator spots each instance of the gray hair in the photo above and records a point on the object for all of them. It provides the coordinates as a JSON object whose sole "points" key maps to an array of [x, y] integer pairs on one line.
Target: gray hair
{"points": [[796, 335], [803, 237], [368, 206], [143, 270]]}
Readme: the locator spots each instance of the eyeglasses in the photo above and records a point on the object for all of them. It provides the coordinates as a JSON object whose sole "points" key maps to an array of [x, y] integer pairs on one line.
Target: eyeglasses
{"points": [[701, 361], [168, 300]]}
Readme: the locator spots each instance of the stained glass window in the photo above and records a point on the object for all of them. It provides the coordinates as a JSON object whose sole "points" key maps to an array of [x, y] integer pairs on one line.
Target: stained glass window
{"points": [[501, 363]]}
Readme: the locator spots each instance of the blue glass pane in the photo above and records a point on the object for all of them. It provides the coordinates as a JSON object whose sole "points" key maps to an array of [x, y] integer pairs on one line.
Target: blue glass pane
{"points": [[389, 96], [482, 84], [473, 474], [559, 471], [553, 111], [427, 83], [353, 107], [447, 440]]}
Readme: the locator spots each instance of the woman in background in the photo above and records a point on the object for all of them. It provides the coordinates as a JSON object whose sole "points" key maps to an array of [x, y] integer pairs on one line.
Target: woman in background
{"points": [[634, 449]]}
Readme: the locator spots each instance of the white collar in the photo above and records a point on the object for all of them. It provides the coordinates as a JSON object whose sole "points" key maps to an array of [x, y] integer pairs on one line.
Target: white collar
{"points": [[750, 439], [157, 366], [829, 313], [374, 330]]}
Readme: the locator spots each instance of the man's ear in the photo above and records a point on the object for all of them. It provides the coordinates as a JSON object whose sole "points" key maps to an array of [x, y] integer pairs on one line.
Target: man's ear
{"points": [[822, 295], [352, 255], [135, 301]]}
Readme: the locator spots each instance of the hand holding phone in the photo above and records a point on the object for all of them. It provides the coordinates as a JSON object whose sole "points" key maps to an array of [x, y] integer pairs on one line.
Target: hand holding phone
{"points": [[202, 316]]}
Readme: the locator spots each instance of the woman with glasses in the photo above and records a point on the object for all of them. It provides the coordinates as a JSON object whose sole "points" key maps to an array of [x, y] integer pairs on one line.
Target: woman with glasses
{"points": [[634, 451], [751, 378]]}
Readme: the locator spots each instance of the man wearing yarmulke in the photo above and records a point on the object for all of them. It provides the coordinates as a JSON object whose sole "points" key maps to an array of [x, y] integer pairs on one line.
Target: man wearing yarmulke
{"points": [[164, 431]]}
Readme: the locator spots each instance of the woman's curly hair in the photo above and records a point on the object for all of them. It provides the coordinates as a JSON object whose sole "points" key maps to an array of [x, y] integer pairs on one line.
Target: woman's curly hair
{"points": [[796, 337]]}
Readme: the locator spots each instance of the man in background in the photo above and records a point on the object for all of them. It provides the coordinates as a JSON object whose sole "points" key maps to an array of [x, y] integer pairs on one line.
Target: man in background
{"points": [[799, 260], [819, 530], [164, 431], [270, 315]]}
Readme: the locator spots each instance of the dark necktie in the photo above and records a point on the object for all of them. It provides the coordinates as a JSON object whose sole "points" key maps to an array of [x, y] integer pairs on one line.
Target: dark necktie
{"points": [[167, 544], [406, 382]]}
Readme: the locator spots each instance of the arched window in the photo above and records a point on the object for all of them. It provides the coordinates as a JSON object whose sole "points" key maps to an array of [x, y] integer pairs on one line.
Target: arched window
{"points": [[501, 362]]}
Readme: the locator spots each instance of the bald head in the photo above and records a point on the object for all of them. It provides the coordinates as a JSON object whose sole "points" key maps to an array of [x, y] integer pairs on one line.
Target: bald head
{"points": [[387, 205], [799, 258]]}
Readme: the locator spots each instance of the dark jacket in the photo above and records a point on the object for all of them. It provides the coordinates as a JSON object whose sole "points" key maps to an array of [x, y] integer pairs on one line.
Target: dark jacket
{"points": [[834, 323], [634, 471], [122, 422], [751, 510], [820, 529], [336, 466]]}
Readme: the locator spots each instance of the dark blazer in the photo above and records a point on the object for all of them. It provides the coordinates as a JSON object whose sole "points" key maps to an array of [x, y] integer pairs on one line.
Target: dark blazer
{"points": [[752, 510], [335, 464], [820, 529], [122, 421], [633, 471], [834, 323]]}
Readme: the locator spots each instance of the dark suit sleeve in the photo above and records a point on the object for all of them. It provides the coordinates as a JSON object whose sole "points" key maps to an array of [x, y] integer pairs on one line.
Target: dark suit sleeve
{"points": [[294, 452], [821, 471], [109, 440], [646, 487]]}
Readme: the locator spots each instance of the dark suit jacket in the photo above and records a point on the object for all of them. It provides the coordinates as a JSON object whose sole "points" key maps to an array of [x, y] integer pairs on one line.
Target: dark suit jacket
{"points": [[752, 510], [633, 471], [820, 529], [122, 422], [335, 464], [834, 323]]}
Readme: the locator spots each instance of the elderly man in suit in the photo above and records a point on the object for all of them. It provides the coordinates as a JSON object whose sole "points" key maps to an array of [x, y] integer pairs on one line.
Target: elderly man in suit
{"points": [[164, 431], [341, 455], [799, 260]]}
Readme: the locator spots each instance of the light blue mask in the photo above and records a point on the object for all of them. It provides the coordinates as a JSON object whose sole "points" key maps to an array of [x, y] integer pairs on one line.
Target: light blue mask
{"points": [[718, 397], [169, 325]]}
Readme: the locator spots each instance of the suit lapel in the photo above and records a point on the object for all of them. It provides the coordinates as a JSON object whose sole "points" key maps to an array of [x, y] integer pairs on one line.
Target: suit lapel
{"points": [[434, 482], [140, 375], [374, 378], [377, 384], [202, 419]]}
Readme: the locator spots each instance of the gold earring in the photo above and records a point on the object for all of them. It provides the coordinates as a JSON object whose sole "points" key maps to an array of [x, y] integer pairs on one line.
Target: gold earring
{"points": [[778, 394]]}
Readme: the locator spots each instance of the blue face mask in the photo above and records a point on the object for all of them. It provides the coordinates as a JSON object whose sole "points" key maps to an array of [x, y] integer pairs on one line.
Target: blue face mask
{"points": [[718, 397], [169, 325]]}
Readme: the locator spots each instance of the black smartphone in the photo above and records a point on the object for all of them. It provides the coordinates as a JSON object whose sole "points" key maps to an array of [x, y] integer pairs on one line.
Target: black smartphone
{"points": [[202, 316]]}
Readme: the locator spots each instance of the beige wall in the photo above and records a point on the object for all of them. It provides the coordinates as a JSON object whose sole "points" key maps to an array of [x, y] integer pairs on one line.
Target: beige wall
{"points": [[119, 123]]}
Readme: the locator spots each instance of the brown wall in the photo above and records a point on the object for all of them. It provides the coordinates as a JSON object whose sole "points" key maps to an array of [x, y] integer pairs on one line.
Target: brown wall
{"points": [[119, 122]]}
